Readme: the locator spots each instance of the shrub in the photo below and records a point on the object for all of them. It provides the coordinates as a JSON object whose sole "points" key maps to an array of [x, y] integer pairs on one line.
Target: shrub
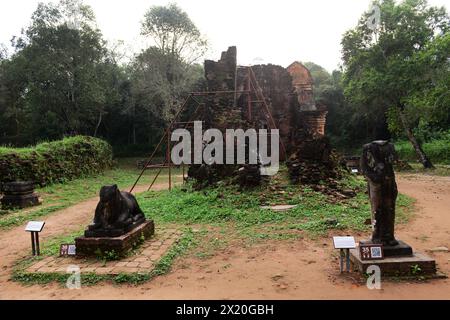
{"points": [[438, 150], [55, 161]]}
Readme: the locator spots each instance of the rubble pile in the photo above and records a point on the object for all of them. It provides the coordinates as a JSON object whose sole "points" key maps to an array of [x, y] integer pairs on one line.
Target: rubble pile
{"points": [[248, 175], [207, 175], [316, 164], [313, 162]]}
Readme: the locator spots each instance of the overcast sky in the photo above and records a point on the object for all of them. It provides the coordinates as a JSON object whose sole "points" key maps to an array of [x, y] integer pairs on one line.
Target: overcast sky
{"points": [[264, 31]]}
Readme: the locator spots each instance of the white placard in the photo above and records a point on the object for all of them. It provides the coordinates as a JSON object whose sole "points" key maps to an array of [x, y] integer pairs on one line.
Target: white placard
{"points": [[35, 226], [344, 242], [67, 250], [72, 250]]}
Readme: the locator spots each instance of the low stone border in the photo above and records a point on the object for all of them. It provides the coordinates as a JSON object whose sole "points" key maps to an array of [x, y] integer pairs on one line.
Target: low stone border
{"points": [[142, 260]]}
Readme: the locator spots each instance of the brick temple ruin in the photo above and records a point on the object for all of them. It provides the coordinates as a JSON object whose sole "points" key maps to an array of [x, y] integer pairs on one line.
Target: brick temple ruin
{"points": [[288, 93], [314, 115], [258, 97], [268, 97]]}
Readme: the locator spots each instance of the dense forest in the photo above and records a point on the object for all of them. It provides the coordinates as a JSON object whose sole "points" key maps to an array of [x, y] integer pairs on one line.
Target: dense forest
{"points": [[62, 78]]}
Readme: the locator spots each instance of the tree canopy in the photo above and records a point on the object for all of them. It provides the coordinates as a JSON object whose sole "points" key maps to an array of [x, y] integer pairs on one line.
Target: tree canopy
{"points": [[388, 64], [174, 33], [63, 78], [57, 76]]}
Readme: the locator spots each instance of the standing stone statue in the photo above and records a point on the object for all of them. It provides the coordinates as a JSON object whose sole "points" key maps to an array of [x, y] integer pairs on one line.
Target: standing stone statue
{"points": [[376, 165]]}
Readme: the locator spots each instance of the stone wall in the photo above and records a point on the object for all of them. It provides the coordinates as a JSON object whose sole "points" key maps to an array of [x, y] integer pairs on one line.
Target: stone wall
{"points": [[223, 112], [316, 121], [276, 84], [287, 91]]}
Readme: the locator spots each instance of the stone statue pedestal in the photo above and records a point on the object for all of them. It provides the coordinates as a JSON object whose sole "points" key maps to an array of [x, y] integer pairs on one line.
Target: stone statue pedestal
{"points": [[121, 245], [414, 265], [398, 261], [115, 232]]}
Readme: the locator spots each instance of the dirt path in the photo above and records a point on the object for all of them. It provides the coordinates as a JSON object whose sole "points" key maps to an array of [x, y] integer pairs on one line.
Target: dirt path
{"points": [[298, 269]]}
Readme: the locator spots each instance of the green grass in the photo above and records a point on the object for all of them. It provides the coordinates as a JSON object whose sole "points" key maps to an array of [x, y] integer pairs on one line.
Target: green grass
{"points": [[225, 215], [438, 150], [62, 195], [439, 170], [228, 205], [12, 218], [50, 247]]}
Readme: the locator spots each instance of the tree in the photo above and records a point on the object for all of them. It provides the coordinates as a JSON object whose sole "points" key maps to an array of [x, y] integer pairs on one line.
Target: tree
{"points": [[431, 100], [163, 74], [174, 33], [159, 84], [63, 78], [60, 68], [348, 125], [12, 90], [380, 62], [3, 52], [321, 77]]}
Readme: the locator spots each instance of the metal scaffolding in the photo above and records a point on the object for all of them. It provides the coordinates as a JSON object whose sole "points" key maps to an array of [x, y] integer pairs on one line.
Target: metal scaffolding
{"points": [[252, 90]]}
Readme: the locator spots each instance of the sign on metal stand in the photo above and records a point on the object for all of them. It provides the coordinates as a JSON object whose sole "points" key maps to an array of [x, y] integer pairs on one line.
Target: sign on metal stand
{"points": [[34, 227], [344, 244]]}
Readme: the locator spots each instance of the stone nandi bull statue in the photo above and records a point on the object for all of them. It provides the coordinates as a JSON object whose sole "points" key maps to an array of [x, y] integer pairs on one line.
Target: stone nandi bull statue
{"points": [[117, 213]]}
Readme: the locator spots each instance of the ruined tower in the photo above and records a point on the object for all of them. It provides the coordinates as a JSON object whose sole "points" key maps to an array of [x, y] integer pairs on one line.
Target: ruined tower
{"points": [[268, 97], [288, 93], [313, 115]]}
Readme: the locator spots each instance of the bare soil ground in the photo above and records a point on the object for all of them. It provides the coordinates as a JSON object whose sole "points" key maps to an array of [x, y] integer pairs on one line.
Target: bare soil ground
{"points": [[300, 269]]}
